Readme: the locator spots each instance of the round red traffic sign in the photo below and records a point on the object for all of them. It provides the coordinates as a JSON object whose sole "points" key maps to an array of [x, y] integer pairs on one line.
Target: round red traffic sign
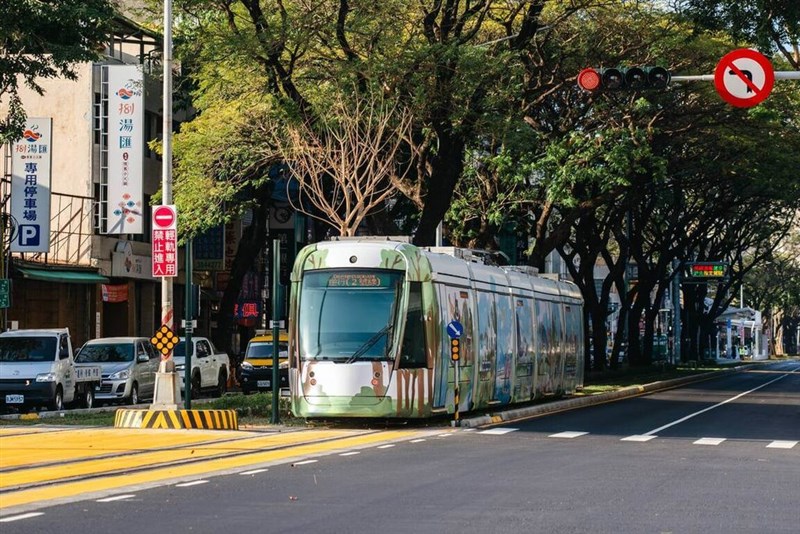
{"points": [[744, 78], [164, 216], [589, 79]]}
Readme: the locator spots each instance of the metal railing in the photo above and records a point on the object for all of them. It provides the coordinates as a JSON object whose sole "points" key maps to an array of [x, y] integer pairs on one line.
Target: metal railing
{"points": [[71, 228]]}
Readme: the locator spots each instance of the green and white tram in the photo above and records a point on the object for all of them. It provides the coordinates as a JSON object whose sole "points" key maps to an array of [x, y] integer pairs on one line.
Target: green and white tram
{"points": [[369, 337]]}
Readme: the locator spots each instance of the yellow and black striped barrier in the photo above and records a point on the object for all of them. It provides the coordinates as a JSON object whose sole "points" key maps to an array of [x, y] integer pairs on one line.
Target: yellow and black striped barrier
{"points": [[203, 419]]}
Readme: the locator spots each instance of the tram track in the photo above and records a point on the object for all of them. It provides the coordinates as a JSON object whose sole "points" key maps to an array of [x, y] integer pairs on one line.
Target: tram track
{"points": [[229, 453], [34, 487]]}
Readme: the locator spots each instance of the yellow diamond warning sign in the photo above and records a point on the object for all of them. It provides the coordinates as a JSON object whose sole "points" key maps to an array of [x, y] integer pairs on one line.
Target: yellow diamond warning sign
{"points": [[164, 340]]}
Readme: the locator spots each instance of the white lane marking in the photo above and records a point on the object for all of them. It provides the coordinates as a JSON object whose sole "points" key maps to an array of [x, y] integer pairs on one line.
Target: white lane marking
{"points": [[778, 444], [305, 462], [417, 440], [498, 431], [568, 435], [447, 434], [704, 410], [638, 437], [192, 483], [387, 446], [709, 441], [116, 498], [254, 472], [11, 518], [351, 453]]}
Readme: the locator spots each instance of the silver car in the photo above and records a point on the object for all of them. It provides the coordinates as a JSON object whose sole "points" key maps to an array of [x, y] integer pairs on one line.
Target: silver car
{"points": [[129, 367]]}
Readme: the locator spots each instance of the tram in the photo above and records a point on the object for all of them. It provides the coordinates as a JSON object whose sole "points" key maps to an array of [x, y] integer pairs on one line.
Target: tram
{"points": [[369, 331]]}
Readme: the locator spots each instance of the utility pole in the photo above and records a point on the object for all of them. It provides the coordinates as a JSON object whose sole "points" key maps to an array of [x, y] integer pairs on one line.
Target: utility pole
{"points": [[167, 390], [676, 308]]}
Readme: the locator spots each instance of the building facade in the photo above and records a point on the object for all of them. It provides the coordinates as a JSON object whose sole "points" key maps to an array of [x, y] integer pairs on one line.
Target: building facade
{"points": [[92, 270]]}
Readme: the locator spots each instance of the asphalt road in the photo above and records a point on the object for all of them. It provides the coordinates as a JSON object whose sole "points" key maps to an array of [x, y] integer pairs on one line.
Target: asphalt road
{"points": [[720, 456]]}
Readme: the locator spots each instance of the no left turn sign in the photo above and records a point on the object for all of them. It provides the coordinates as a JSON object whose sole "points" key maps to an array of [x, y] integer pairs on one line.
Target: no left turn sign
{"points": [[744, 78]]}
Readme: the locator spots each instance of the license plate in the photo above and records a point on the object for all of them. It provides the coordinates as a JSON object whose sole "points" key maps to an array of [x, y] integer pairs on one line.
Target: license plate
{"points": [[260, 383], [15, 399]]}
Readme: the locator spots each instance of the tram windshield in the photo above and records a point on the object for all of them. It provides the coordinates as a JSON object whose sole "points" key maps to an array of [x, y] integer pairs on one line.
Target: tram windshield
{"points": [[348, 316]]}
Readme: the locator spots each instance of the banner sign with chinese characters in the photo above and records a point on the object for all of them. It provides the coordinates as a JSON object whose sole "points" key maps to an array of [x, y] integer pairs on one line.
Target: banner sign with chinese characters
{"points": [[115, 292], [30, 186], [125, 138], [165, 241]]}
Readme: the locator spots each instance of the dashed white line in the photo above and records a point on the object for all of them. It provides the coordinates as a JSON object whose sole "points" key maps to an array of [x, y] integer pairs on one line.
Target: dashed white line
{"points": [[254, 472], [351, 453], [709, 441], [778, 444], [387, 446], [305, 462], [116, 498], [639, 437], [497, 431], [568, 435], [192, 483], [417, 440], [11, 518]]}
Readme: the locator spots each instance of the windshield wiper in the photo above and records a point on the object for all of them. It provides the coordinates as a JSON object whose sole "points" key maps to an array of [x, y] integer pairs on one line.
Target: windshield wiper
{"points": [[385, 331]]}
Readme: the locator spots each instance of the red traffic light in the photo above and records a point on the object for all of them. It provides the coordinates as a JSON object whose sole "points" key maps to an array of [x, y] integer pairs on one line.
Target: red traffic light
{"points": [[589, 80]]}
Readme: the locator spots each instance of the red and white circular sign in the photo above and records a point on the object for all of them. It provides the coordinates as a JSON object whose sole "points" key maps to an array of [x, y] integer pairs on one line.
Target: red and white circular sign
{"points": [[744, 78], [164, 217]]}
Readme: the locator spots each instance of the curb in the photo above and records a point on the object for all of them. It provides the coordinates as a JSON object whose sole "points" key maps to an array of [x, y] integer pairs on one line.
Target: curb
{"points": [[174, 419], [579, 402]]}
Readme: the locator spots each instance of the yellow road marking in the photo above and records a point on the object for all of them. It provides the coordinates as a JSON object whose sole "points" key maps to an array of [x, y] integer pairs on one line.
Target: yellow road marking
{"points": [[54, 473], [14, 430], [72, 489], [86, 443]]}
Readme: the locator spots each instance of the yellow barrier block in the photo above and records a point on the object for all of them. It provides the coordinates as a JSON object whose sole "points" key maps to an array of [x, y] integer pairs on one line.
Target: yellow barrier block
{"points": [[201, 419]]}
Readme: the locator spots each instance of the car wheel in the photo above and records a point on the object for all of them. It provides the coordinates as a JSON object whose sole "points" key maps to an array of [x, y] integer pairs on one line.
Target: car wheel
{"points": [[134, 399], [57, 404], [88, 398], [222, 384], [196, 386]]}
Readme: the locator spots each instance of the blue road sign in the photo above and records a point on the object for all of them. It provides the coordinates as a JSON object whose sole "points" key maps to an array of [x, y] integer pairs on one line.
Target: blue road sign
{"points": [[454, 329]]}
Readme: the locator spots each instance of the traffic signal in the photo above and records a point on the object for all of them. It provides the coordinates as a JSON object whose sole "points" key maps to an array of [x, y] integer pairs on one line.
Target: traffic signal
{"points": [[455, 349], [621, 79]]}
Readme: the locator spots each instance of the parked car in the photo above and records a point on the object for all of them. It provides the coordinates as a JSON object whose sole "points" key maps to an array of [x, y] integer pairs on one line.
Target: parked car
{"points": [[37, 368], [210, 367], [256, 368], [129, 366]]}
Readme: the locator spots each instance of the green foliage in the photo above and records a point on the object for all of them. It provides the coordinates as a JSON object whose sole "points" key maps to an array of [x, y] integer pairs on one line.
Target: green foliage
{"points": [[45, 40]]}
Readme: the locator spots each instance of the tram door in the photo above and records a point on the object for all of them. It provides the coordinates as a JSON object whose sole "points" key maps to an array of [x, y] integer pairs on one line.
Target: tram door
{"points": [[505, 357], [455, 305], [523, 380]]}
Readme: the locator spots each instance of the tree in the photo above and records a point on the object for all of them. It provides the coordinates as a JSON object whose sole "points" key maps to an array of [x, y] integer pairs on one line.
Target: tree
{"points": [[347, 162], [44, 40], [772, 25]]}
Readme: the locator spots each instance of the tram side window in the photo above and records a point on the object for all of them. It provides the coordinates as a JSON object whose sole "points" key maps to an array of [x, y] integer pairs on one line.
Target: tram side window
{"points": [[413, 347]]}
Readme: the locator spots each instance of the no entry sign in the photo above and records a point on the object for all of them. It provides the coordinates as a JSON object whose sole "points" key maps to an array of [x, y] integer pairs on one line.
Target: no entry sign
{"points": [[164, 217], [744, 78], [165, 241]]}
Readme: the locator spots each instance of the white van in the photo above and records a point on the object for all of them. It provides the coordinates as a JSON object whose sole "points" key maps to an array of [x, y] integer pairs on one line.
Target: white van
{"points": [[37, 368]]}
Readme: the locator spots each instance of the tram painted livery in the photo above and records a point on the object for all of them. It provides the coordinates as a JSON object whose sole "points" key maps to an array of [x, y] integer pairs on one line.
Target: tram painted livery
{"points": [[368, 334]]}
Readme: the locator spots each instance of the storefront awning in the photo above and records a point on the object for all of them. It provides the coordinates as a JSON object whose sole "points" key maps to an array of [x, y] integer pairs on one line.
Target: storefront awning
{"points": [[64, 276]]}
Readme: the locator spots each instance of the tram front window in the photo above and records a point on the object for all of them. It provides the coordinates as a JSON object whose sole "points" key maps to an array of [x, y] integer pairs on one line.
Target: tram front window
{"points": [[348, 316]]}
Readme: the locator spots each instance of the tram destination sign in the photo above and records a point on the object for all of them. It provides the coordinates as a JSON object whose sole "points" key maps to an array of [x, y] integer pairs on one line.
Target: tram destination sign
{"points": [[706, 271]]}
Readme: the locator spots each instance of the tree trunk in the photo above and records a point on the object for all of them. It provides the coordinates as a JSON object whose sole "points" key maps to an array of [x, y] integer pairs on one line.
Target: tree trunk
{"points": [[446, 169], [250, 246]]}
